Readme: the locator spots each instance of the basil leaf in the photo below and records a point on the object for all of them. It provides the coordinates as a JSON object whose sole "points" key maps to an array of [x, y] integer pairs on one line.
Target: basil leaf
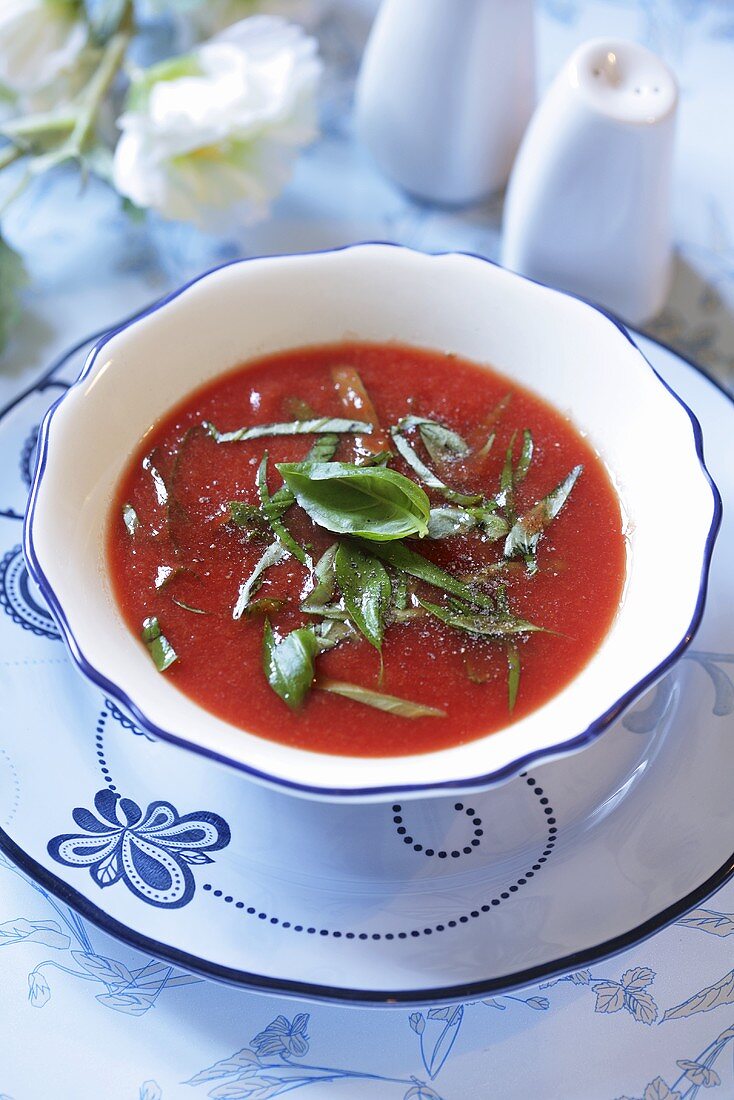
{"points": [[484, 451], [164, 574], [366, 589], [400, 591], [265, 605], [525, 534], [427, 476], [188, 607], [288, 663], [407, 561], [474, 622], [247, 516], [323, 450], [130, 519], [161, 491], [442, 444], [402, 708], [325, 581], [526, 457], [445, 522], [272, 556], [513, 675], [161, 651], [272, 514], [372, 502], [295, 427], [331, 633]]}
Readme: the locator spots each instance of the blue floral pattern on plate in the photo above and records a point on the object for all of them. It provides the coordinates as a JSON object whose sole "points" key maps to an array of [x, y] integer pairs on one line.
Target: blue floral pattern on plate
{"points": [[150, 852]]}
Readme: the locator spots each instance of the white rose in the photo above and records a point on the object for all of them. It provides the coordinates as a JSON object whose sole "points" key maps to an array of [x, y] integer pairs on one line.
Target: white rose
{"points": [[40, 40], [210, 137]]}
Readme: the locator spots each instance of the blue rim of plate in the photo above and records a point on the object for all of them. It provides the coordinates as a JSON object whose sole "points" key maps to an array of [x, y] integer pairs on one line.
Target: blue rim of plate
{"points": [[472, 783], [347, 996]]}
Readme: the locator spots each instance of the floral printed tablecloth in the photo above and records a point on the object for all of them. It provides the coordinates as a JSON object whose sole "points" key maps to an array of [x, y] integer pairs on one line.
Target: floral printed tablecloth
{"points": [[82, 1017]]}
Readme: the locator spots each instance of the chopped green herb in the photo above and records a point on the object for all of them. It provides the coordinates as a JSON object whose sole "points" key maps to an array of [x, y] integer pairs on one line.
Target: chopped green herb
{"points": [[161, 490], [402, 708], [289, 663], [442, 444], [365, 586], [427, 476], [272, 556], [407, 561], [161, 651], [248, 517], [295, 427], [324, 581], [130, 519], [265, 605], [447, 521], [373, 502], [474, 622], [272, 514], [526, 532], [513, 675], [188, 607]]}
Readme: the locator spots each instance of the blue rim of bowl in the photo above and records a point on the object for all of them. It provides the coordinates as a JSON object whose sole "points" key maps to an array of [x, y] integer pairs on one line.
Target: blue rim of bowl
{"points": [[472, 783], [347, 996]]}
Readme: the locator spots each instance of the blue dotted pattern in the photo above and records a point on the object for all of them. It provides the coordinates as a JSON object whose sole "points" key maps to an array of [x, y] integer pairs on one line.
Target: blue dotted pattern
{"points": [[414, 933]]}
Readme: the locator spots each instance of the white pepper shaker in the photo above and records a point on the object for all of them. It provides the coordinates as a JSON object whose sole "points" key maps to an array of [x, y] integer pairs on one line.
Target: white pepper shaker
{"points": [[445, 91], [588, 204]]}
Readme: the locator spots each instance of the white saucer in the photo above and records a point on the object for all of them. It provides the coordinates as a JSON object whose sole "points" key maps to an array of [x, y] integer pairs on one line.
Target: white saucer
{"points": [[436, 900]]}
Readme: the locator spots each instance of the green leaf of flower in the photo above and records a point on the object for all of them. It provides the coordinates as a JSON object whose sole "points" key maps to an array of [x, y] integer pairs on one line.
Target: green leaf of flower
{"points": [[372, 502], [289, 663], [365, 586]]}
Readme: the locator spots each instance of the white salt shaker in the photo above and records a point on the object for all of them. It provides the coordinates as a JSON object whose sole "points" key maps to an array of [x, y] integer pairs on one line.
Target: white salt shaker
{"points": [[588, 204], [445, 91]]}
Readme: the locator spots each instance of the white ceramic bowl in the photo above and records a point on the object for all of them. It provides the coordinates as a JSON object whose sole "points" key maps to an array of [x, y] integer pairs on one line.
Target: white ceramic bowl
{"points": [[569, 352]]}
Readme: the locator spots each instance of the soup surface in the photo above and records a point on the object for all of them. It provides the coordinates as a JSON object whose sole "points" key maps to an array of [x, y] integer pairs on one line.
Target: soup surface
{"points": [[411, 552]]}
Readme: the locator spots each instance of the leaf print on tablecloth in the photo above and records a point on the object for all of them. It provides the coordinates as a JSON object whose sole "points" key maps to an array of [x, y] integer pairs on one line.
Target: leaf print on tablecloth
{"points": [[699, 1074], [658, 1090], [150, 1090], [109, 971], [39, 990], [629, 993], [237, 1063], [708, 920], [46, 932], [713, 996]]}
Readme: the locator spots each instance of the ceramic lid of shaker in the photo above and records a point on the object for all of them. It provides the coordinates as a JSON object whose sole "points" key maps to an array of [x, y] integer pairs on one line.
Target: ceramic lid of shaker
{"points": [[624, 80]]}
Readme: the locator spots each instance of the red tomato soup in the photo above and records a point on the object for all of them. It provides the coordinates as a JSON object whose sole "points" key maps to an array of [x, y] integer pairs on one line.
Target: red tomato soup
{"points": [[179, 559]]}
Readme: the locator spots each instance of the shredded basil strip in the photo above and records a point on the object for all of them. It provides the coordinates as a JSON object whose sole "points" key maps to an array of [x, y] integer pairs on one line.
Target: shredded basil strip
{"points": [[526, 532], [442, 443], [370, 501], [274, 554], [161, 490], [402, 708], [427, 476], [294, 427], [272, 514], [247, 516], [513, 675], [289, 663], [473, 622], [323, 450], [324, 581], [366, 590], [188, 607], [407, 561], [130, 519], [161, 651]]}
